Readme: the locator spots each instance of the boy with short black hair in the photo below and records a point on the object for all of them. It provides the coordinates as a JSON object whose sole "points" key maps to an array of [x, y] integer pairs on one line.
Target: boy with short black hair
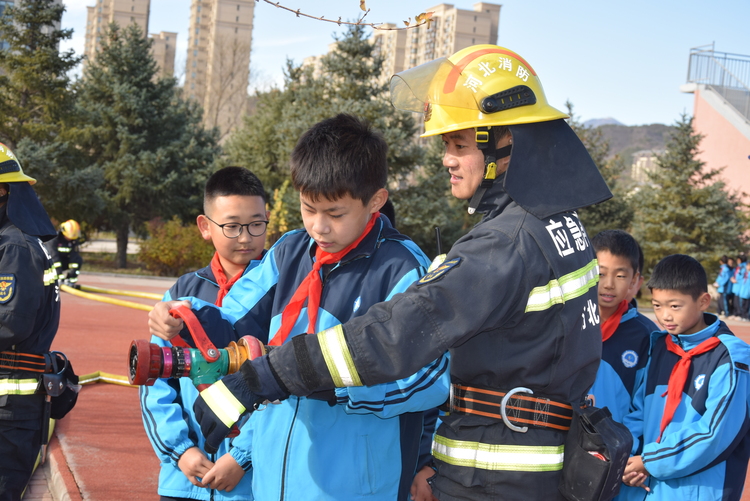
{"points": [[690, 420], [351, 443], [625, 332], [234, 221]]}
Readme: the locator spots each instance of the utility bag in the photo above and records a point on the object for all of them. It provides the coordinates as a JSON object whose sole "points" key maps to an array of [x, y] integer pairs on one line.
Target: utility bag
{"points": [[61, 385], [596, 452]]}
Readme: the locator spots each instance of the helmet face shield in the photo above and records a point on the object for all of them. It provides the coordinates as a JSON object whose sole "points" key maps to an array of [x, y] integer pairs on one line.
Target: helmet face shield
{"points": [[480, 86]]}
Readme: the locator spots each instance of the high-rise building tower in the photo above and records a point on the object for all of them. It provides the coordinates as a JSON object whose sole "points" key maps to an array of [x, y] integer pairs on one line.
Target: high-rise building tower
{"points": [[450, 30], [8, 3], [122, 12], [163, 49], [217, 70]]}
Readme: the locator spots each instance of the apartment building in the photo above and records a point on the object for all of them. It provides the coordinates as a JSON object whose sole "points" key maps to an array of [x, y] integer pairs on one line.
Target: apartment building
{"points": [[217, 70], [7, 3], [104, 12], [451, 30], [163, 49]]}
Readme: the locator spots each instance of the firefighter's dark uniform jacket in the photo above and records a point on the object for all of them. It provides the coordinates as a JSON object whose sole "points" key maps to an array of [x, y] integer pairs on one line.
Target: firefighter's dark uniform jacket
{"points": [[65, 255], [516, 303], [29, 315]]}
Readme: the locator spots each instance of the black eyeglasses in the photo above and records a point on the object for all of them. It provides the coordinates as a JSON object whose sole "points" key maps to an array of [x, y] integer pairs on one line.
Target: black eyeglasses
{"points": [[234, 230]]}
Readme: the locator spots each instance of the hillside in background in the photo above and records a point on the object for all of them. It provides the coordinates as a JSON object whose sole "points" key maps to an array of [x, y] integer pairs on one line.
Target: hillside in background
{"points": [[625, 140]]}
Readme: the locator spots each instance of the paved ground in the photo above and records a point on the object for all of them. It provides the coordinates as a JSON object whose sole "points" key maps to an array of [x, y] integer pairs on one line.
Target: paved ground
{"points": [[100, 451]]}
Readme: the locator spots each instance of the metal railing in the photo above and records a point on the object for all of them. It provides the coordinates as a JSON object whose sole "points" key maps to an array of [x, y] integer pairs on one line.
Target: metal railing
{"points": [[727, 74]]}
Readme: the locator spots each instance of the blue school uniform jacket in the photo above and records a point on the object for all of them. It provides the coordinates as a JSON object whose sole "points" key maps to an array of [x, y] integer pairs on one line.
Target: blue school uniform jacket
{"points": [[167, 409], [725, 273], [356, 443], [704, 450], [624, 356], [737, 273]]}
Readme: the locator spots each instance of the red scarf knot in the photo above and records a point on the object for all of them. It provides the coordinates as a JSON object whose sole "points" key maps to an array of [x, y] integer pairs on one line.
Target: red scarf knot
{"points": [[311, 288], [221, 279], [609, 326], [679, 375]]}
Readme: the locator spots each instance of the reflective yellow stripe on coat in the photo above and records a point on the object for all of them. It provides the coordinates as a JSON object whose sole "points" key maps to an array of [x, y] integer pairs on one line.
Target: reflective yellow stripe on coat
{"points": [[338, 358], [225, 405], [18, 386], [570, 286], [498, 457]]}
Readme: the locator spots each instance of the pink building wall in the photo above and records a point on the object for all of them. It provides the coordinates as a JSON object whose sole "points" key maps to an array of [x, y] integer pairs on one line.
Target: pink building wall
{"points": [[723, 145]]}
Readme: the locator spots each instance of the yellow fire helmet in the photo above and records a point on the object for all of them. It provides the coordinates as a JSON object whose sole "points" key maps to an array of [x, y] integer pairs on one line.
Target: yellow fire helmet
{"points": [[480, 86], [10, 168], [71, 229]]}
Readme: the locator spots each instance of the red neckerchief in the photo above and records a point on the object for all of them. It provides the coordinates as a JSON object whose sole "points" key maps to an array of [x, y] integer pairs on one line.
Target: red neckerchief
{"points": [[311, 288], [609, 326], [221, 279], [679, 376]]}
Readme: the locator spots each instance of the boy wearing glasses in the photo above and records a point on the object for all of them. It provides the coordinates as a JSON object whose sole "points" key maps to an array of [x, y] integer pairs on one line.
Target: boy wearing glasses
{"points": [[235, 222], [353, 443]]}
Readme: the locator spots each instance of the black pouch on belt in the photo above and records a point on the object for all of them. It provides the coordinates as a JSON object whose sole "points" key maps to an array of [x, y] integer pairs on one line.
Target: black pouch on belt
{"points": [[61, 384], [596, 452]]}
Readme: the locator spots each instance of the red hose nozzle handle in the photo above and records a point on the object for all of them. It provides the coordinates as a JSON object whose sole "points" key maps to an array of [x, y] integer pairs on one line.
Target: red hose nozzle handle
{"points": [[206, 347]]}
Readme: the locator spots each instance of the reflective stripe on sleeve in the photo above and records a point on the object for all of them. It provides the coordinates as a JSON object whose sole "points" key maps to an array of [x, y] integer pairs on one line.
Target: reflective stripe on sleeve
{"points": [[568, 287], [50, 276], [338, 358], [498, 457], [225, 405], [18, 386]]}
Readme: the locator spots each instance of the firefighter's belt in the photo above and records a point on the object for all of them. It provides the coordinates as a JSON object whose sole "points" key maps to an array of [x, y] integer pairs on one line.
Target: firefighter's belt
{"points": [[16, 361], [517, 408]]}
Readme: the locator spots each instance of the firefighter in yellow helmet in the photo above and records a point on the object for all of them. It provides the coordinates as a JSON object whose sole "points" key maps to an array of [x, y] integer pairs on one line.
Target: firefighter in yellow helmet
{"points": [[515, 300], [65, 251], [29, 315]]}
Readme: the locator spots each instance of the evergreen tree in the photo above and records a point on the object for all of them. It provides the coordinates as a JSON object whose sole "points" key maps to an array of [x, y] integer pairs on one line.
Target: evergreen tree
{"points": [[138, 143], [686, 208], [34, 93], [350, 82], [615, 213]]}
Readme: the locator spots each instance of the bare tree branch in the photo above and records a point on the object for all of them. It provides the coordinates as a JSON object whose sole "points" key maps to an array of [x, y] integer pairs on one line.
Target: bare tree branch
{"points": [[423, 18]]}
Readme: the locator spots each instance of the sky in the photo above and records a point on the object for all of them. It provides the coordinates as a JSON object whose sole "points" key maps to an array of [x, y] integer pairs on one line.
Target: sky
{"points": [[624, 60]]}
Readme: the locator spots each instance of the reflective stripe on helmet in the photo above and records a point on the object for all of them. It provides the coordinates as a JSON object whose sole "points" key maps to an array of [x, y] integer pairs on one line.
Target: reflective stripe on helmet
{"points": [[498, 457], [18, 386], [568, 287], [338, 358], [225, 405]]}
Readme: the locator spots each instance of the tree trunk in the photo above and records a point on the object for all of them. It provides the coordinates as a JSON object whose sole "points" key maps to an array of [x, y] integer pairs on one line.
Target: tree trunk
{"points": [[122, 246]]}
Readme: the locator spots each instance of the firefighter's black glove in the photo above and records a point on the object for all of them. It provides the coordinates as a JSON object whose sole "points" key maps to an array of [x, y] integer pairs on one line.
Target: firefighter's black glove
{"points": [[220, 406]]}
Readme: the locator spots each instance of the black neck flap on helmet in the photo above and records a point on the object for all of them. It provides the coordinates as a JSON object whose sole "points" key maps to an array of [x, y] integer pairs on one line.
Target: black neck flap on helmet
{"points": [[26, 212], [550, 170]]}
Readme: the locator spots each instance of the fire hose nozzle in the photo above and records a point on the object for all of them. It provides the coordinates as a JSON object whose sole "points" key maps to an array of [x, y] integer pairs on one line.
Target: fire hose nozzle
{"points": [[148, 361]]}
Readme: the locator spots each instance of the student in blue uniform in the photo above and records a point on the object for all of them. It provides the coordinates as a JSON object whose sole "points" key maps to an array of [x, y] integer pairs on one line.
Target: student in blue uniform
{"points": [[737, 279], [690, 420], [723, 285], [625, 332], [234, 221], [352, 443]]}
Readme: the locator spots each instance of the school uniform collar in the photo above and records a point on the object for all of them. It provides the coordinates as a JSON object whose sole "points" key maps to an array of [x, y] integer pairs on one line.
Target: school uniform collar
{"points": [[689, 341]]}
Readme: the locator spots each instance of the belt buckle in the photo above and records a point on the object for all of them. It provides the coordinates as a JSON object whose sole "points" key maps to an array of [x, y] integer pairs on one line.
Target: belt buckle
{"points": [[504, 414]]}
